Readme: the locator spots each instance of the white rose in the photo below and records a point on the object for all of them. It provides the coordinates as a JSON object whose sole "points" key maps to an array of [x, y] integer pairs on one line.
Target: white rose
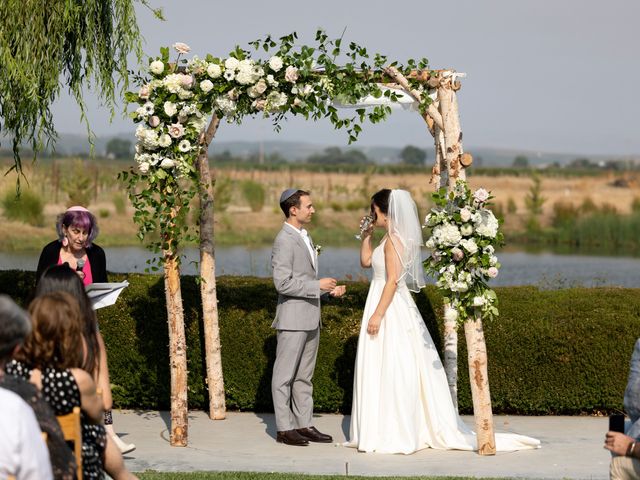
{"points": [[176, 130], [478, 301], [143, 167], [271, 81], [170, 108], [181, 47], [206, 86], [167, 163], [184, 94], [493, 260], [450, 314], [214, 70], [306, 90], [469, 245], [244, 77], [465, 214], [466, 229], [156, 67], [275, 63], [164, 141], [231, 63], [291, 74], [173, 82], [184, 146], [457, 254], [430, 244]]}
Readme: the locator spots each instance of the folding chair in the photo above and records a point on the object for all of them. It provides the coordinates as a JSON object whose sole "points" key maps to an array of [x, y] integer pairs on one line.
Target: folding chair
{"points": [[72, 431]]}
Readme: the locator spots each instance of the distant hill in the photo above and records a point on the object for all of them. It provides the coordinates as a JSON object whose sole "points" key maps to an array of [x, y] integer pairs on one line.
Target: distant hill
{"points": [[75, 144]]}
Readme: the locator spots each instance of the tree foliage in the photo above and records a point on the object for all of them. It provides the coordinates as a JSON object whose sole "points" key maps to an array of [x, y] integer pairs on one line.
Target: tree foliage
{"points": [[45, 46], [413, 155]]}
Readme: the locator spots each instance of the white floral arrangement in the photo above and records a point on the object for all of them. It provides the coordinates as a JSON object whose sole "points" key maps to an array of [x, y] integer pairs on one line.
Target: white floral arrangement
{"points": [[176, 100], [464, 236]]}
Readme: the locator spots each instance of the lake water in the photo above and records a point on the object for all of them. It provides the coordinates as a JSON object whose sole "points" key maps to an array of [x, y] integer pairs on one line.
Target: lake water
{"points": [[546, 270]]}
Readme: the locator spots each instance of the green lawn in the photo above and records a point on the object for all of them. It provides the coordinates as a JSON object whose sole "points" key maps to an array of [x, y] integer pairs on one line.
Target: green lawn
{"points": [[271, 476]]}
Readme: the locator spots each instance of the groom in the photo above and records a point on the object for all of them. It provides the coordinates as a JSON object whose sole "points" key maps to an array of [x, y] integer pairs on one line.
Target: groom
{"points": [[295, 271]]}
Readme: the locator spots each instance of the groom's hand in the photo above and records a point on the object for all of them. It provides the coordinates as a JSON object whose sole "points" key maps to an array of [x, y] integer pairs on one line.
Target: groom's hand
{"points": [[328, 284], [338, 291]]}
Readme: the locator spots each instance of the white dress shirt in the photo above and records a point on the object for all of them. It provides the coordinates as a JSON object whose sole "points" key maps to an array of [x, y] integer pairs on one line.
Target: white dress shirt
{"points": [[307, 241], [23, 452]]}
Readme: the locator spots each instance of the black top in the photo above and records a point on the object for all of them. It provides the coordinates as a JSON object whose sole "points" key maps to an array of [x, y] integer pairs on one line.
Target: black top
{"points": [[51, 254], [61, 392]]}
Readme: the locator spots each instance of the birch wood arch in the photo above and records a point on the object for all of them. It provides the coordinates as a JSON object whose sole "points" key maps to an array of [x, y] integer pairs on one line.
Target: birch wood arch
{"points": [[173, 166]]}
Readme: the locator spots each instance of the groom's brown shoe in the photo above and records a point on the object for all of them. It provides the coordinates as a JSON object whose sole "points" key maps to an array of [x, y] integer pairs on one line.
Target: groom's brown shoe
{"points": [[291, 437], [313, 435]]}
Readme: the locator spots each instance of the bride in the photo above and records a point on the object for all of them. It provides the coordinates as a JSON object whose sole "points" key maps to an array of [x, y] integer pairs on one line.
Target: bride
{"points": [[401, 399]]}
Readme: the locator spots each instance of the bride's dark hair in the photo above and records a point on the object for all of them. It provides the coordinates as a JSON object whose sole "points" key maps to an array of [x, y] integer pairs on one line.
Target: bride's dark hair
{"points": [[381, 200]]}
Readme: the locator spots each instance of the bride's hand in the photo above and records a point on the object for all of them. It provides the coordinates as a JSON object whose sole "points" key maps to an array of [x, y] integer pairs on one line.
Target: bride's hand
{"points": [[373, 327]]}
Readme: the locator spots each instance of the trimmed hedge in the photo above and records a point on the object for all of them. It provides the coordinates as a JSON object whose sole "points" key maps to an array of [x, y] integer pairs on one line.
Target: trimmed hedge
{"points": [[550, 351]]}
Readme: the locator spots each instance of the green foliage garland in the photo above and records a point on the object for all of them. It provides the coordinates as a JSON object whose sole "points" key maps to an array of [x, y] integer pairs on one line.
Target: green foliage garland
{"points": [[173, 104]]}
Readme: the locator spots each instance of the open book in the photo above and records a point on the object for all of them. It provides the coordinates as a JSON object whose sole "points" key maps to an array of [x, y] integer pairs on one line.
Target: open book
{"points": [[104, 294]]}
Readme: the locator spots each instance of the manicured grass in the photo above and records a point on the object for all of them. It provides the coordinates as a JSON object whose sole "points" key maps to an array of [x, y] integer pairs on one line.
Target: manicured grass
{"points": [[270, 476]]}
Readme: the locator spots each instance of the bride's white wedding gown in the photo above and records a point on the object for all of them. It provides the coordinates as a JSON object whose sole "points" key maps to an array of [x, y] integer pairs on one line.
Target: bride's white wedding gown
{"points": [[401, 399]]}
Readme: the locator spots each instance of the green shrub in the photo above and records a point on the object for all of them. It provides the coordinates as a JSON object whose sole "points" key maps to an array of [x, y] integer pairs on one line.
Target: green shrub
{"points": [[27, 208], [588, 206], [564, 214], [635, 205], [336, 206], [78, 185], [223, 193], [511, 206], [550, 351], [104, 213], [254, 193]]}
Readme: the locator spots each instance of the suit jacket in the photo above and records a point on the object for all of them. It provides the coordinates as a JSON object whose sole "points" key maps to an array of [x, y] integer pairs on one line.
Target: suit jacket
{"points": [[97, 259], [295, 279]]}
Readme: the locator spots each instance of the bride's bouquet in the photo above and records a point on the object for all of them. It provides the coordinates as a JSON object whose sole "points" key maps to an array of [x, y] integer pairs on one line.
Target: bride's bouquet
{"points": [[464, 235]]}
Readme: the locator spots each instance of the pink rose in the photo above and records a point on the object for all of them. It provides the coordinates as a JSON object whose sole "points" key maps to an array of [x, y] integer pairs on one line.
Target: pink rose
{"points": [[457, 254], [259, 104], [492, 272], [481, 195], [154, 121], [176, 130], [291, 74], [181, 47], [186, 80], [144, 92]]}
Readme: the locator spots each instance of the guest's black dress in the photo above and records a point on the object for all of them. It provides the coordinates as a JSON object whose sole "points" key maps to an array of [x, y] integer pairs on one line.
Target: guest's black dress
{"points": [[61, 392]]}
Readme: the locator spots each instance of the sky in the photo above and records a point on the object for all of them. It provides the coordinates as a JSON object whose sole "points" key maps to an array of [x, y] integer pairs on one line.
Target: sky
{"points": [[542, 75]]}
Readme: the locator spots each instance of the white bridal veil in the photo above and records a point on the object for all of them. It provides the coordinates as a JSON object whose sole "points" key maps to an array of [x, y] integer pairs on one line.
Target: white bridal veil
{"points": [[405, 226]]}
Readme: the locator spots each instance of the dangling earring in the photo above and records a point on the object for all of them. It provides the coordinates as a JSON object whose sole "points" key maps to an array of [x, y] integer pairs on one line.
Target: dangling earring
{"points": [[65, 242]]}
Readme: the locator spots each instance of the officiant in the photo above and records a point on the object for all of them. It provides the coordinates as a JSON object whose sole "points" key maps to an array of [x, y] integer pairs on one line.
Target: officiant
{"points": [[77, 229]]}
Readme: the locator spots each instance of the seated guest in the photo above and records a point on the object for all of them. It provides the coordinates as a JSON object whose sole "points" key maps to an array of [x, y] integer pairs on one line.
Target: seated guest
{"points": [[625, 465], [23, 453], [14, 328], [51, 359]]}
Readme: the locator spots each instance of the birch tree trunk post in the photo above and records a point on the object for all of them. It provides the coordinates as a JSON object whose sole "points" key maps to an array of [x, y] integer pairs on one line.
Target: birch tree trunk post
{"points": [[177, 351], [474, 333], [208, 292], [479, 378]]}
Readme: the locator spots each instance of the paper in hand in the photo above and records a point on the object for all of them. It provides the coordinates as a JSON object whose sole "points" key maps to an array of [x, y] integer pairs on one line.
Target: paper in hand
{"points": [[104, 294]]}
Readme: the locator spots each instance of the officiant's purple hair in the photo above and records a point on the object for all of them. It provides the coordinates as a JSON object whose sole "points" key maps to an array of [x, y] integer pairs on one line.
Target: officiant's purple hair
{"points": [[291, 198], [80, 217]]}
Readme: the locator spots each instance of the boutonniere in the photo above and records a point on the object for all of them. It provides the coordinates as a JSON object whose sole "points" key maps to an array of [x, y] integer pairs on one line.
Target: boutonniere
{"points": [[318, 249]]}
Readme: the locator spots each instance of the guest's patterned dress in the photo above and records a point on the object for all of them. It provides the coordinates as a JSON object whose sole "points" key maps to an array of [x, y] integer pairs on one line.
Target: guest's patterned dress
{"points": [[61, 392]]}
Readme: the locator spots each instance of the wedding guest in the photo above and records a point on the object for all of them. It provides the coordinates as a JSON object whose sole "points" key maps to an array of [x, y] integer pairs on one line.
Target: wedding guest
{"points": [[51, 359], [15, 325], [77, 229], [23, 453], [625, 464]]}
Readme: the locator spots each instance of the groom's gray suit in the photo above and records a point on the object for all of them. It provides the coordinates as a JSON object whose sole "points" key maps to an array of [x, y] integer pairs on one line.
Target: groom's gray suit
{"points": [[298, 329]]}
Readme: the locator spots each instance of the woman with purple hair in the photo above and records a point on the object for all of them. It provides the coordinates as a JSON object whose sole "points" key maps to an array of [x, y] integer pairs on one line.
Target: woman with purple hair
{"points": [[77, 229]]}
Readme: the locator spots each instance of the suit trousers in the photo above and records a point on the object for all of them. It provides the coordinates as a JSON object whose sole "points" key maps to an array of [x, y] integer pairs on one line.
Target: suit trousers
{"points": [[291, 385], [624, 468]]}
